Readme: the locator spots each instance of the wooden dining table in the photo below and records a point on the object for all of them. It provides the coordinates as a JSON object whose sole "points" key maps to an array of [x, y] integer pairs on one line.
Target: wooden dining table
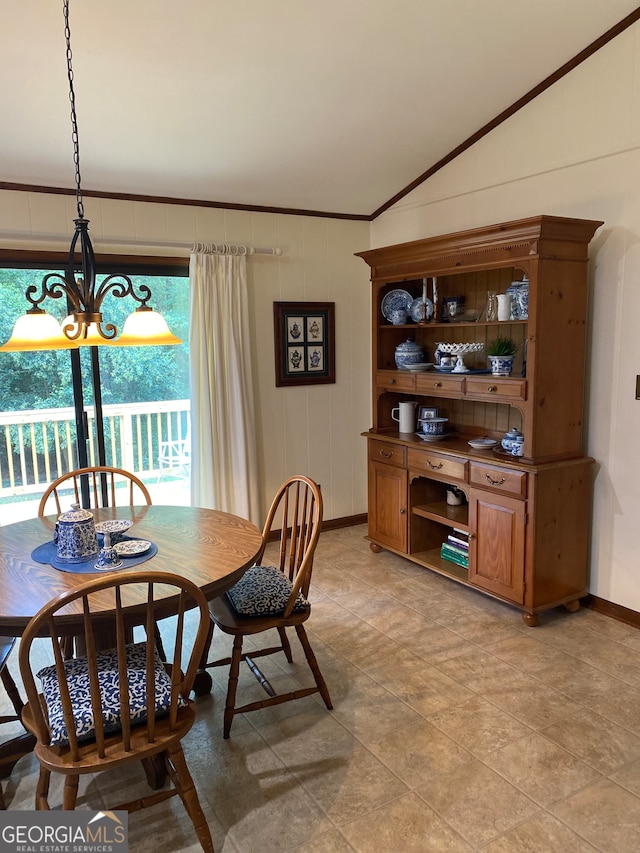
{"points": [[211, 548]]}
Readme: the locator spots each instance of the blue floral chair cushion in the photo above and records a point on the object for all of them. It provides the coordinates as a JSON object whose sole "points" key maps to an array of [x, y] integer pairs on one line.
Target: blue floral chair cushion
{"points": [[263, 591], [79, 691]]}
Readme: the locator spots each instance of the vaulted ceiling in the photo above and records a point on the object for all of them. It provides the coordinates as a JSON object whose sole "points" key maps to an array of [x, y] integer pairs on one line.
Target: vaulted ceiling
{"points": [[333, 106]]}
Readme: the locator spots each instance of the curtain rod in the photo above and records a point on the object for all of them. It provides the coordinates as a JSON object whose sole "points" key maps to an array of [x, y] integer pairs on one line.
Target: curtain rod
{"points": [[217, 248], [230, 249]]}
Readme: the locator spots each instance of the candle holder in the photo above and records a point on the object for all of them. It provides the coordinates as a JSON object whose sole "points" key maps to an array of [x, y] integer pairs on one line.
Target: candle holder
{"points": [[108, 558]]}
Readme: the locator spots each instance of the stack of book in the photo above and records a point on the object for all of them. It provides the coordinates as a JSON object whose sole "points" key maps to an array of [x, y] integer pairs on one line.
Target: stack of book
{"points": [[456, 548]]}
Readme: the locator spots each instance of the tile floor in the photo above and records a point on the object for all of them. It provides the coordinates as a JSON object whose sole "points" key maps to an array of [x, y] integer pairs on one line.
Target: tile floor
{"points": [[455, 728]]}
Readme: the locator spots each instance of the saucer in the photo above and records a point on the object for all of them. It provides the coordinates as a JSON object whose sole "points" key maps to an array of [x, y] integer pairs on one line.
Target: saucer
{"points": [[115, 525], [482, 443], [132, 547], [432, 437]]}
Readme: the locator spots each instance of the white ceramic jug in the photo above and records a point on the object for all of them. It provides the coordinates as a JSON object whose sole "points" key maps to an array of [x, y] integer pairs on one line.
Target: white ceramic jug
{"points": [[405, 414]]}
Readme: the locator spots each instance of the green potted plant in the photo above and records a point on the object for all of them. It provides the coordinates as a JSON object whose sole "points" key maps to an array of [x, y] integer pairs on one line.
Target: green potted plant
{"points": [[500, 352]]}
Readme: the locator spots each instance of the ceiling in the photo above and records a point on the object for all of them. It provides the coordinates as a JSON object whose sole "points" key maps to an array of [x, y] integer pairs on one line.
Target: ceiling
{"points": [[332, 106]]}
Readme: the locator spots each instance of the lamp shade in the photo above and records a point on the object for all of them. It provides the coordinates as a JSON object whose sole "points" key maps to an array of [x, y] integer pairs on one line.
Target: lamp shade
{"points": [[145, 327], [36, 331]]}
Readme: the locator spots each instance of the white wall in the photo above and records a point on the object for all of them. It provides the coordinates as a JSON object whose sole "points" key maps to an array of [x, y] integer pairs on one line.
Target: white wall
{"points": [[574, 151], [310, 430]]}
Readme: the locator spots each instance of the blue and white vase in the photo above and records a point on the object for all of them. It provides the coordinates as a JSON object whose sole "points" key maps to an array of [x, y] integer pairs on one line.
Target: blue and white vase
{"points": [[519, 291]]}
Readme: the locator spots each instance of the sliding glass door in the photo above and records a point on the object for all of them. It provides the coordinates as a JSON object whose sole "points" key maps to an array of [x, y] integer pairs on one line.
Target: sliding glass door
{"points": [[144, 395]]}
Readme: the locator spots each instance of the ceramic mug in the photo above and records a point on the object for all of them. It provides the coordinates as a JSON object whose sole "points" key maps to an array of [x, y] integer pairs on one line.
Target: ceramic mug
{"points": [[399, 316], [517, 448]]}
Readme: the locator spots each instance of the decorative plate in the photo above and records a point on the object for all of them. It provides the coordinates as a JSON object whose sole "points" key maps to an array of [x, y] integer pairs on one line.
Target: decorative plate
{"points": [[396, 300], [415, 309], [424, 365], [132, 547], [432, 437], [116, 525], [482, 443]]}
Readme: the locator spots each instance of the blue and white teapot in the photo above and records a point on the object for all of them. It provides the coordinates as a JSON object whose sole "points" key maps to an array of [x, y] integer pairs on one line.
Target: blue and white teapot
{"points": [[75, 536]]}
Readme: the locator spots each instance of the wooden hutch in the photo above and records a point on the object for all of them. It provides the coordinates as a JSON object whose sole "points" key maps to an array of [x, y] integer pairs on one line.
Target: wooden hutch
{"points": [[528, 518]]}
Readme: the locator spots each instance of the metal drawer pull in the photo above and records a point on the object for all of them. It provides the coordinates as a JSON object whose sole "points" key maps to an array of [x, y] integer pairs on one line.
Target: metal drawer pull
{"points": [[402, 512], [437, 384], [392, 382], [492, 388], [386, 455], [495, 482], [434, 467]]}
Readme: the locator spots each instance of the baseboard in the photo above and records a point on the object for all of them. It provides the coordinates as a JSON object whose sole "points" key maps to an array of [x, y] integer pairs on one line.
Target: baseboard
{"points": [[616, 611], [346, 521], [332, 524]]}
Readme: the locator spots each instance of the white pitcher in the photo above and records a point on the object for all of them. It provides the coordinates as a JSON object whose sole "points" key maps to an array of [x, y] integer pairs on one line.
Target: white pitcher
{"points": [[405, 414]]}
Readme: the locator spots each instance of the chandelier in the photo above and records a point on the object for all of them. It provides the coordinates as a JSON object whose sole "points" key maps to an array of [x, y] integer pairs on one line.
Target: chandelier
{"points": [[85, 324]]}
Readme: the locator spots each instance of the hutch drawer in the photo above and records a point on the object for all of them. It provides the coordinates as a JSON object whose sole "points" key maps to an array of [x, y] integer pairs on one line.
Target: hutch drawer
{"points": [[490, 386], [497, 479], [437, 465], [388, 452], [395, 380], [437, 384]]}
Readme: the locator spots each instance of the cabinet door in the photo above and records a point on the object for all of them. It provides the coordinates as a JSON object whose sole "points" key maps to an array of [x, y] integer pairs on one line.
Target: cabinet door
{"points": [[497, 540], [388, 505]]}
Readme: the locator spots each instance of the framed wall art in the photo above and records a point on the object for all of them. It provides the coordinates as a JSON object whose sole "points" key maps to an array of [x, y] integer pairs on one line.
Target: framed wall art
{"points": [[304, 342]]}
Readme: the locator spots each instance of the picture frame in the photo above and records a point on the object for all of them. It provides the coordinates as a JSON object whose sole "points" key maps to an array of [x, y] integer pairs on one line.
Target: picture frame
{"points": [[304, 336], [427, 412]]}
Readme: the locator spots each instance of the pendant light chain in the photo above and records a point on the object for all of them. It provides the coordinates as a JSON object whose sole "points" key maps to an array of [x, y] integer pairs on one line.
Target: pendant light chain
{"points": [[85, 325], [74, 120]]}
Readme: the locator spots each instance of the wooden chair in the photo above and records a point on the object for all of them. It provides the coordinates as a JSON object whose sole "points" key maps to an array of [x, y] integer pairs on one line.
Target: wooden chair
{"points": [[118, 707], [104, 489], [274, 597], [11, 750], [105, 486]]}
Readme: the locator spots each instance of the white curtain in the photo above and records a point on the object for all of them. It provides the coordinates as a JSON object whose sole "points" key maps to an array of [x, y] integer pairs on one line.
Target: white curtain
{"points": [[224, 470]]}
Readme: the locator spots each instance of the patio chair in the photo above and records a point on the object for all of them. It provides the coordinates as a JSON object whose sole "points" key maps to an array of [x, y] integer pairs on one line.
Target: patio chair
{"points": [[175, 454], [269, 597], [121, 706]]}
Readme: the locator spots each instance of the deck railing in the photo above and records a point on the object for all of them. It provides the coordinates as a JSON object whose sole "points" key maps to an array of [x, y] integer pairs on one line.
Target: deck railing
{"points": [[38, 445]]}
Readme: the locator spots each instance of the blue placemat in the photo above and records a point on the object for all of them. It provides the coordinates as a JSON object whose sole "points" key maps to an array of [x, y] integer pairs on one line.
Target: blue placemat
{"points": [[47, 553]]}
